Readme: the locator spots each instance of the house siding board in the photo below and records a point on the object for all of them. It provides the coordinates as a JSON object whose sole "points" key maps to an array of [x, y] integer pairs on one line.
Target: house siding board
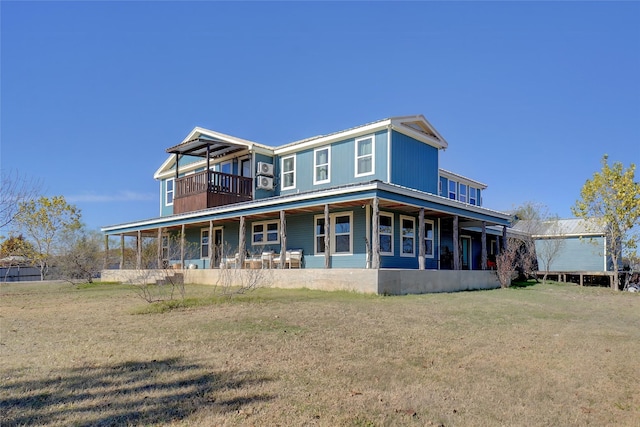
{"points": [[413, 163], [165, 209], [577, 255]]}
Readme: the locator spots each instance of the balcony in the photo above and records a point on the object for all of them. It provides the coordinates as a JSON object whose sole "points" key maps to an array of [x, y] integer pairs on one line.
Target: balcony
{"points": [[208, 189]]}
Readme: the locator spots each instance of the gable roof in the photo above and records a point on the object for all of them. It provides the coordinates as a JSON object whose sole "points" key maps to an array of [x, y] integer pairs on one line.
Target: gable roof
{"points": [[571, 227]]}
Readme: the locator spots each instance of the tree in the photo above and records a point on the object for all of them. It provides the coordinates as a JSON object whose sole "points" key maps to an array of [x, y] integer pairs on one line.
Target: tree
{"points": [[506, 262], [548, 247], [80, 256], [611, 199], [43, 222], [16, 189]]}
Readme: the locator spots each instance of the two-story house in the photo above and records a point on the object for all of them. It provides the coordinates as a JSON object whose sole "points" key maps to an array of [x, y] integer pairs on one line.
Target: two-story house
{"points": [[369, 197]]}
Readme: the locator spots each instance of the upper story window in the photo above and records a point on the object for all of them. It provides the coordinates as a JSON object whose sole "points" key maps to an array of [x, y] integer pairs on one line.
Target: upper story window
{"points": [[169, 191], [407, 235], [462, 193], [265, 233], [288, 178], [365, 156], [321, 165], [341, 235], [453, 189], [385, 231], [428, 238], [473, 196]]}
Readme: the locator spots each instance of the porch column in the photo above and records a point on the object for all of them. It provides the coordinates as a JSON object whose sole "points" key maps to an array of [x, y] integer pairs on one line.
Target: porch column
{"points": [[456, 244], [484, 245], [375, 235], [139, 250], [106, 252], [241, 243], [283, 240], [211, 239], [327, 238], [421, 240], [159, 243], [182, 246], [177, 172], [121, 251], [504, 238]]}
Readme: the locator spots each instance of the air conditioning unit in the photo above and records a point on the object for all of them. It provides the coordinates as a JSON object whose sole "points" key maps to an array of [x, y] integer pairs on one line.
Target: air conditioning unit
{"points": [[265, 183], [265, 169]]}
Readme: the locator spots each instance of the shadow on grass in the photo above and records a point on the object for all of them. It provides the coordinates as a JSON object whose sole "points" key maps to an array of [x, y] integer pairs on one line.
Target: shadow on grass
{"points": [[523, 284], [154, 392]]}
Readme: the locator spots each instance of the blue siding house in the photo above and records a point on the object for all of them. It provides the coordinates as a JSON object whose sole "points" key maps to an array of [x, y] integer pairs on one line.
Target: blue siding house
{"points": [[369, 197]]}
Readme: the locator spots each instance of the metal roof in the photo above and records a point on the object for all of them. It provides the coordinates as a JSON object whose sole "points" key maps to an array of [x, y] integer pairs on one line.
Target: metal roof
{"points": [[562, 227]]}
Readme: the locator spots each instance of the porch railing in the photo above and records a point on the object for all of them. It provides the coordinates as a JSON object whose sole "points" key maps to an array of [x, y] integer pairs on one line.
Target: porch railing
{"points": [[213, 182]]}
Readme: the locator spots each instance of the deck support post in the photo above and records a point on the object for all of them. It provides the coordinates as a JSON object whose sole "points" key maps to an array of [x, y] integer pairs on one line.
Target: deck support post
{"points": [[504, 238], [421, 253], [159, 246], [483, 239], [283, 240], [456, 244], [241, 242], [121, 251], [211, 240], [182, 238], [327, 238], [106, 252], [139, 250], [375, 237]]}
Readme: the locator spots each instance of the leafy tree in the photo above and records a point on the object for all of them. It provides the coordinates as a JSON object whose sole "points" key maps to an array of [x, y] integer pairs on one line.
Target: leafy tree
{"points": [[611, 198], [43, 222], [16, 246]]}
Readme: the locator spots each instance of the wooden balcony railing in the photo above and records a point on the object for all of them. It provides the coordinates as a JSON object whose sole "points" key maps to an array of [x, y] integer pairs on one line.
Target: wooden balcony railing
{"points": [[208, 189]]}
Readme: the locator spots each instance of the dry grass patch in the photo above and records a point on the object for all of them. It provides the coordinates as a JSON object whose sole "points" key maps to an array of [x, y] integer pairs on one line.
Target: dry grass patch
{"points": [[542, 355]]}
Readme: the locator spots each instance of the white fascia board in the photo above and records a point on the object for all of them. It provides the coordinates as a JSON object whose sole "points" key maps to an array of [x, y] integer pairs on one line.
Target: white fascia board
{"points": [[562, 235], [462, 179], [328, 139], [397, 124]]}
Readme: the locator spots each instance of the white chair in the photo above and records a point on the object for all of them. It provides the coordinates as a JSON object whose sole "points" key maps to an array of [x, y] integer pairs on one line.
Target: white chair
{"points": [[267, 259]]}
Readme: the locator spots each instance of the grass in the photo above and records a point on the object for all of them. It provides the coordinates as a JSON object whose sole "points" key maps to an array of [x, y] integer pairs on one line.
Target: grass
{"points": [[552, 354]]}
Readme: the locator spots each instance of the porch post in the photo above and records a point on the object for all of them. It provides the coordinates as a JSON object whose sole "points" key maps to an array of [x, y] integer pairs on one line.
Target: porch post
{"points": [[106, 252], [484, 245], [159, 243], [211, 239], [121, 251], [456, 244], [375, 235], [327, 238], [504, 238], [421, 240], [283, 240], [139, 250], [241, 242], [177, 162], [182, 246]]}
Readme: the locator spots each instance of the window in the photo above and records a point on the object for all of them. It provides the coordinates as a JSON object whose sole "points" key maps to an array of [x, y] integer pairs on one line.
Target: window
{"points": [[204, 243], [463, 193], [165, 247], [341, 237], [452, 189], [407, 235], [265, 233], [225, 167], [472, 195], [385, 230], [321, 161], [365, 152], [245, 167], [288, 172], [428, 238], [169, 192]]}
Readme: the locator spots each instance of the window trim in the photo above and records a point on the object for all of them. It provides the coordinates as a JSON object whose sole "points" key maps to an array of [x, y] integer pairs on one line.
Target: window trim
{"points": [[413, 247], [332, 222], [282, 172], [373, 155], [390, 215], [202, 245], [473, 200], [166, 191], [265, 232], [463, 197], [316, 165], [455, 190], [433, 238]]}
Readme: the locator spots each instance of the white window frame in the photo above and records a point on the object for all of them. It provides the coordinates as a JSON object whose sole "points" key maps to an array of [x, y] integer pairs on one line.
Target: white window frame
{"points": [[316, 165], [265, 232], [402, 236], [332, 223], [283, 172], [166, 191], [463, 197], [432, 239], [202, 244], [473, 200], [380, 233], [221, 165], [455, 190], [372, 155]]}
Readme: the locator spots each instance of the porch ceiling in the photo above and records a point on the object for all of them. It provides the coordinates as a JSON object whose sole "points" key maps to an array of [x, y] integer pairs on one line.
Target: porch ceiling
{"points": [[199, 147]]}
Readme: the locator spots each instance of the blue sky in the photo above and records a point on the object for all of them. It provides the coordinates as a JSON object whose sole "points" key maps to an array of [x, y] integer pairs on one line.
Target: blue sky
{"points": [[528, 95]]}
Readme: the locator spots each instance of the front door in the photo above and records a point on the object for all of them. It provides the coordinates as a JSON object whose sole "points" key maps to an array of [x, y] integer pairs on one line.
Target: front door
{"points": [[217, 247], [466, 252]]}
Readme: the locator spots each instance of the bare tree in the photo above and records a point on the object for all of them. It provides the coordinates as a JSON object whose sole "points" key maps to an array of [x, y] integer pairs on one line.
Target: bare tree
{"points": [[17, 189], [549, 245], [506, 263], [238, 280], [80, 256]]}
